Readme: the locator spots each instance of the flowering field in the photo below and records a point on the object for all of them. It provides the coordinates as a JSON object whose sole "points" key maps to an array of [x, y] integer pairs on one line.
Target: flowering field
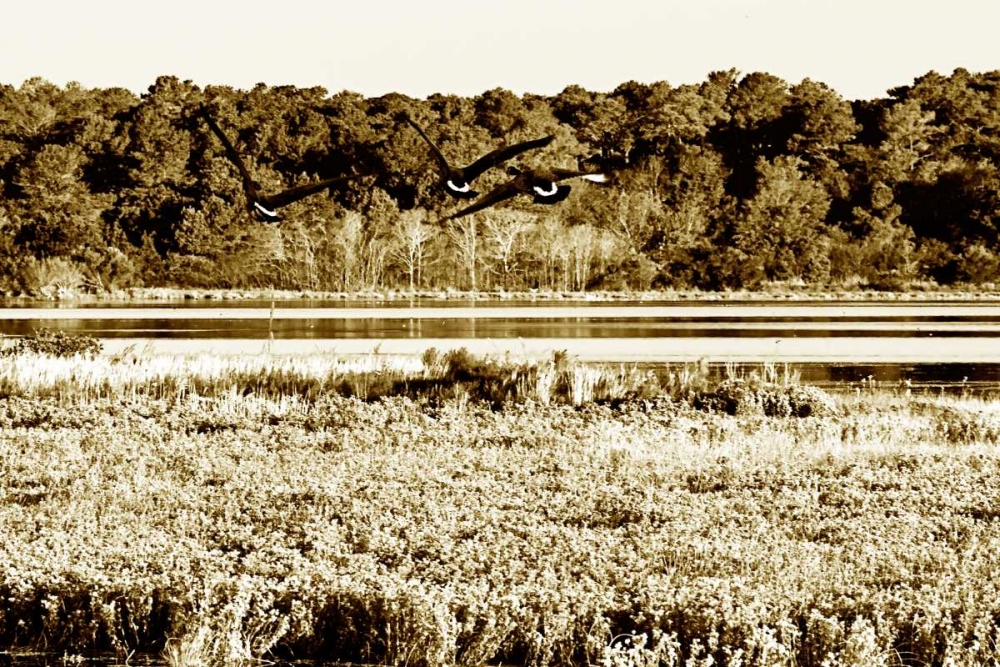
{"points": [[434, 512]]}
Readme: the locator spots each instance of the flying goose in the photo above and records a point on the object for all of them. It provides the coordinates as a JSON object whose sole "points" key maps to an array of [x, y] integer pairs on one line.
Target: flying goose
{"points": [[541, 184], [265, 206], [456, 181]]}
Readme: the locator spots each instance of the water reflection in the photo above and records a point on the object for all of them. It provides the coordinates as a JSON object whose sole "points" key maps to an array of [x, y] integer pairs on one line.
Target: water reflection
{"points": [[513, 327], [971, 379], [831, 343]]}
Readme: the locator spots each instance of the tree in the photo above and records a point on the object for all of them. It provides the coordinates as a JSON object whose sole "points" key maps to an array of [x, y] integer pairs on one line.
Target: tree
{"points": [[965, 109], [634, 219], [349, 243], [754, 107], [155, 148], [886, 252], [695, 211], [59, 216], [602, 121], [212, 244], [31, 111], [910, 133], [464, 236], [577, 248], [500, 112], [819, 126], [542, 248], [678, 117], [353, 142], [503, 232], [10, 255], [780, 233], [412, 236]]}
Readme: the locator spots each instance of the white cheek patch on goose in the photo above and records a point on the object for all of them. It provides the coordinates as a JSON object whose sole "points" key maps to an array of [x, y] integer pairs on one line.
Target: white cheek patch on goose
{"points": [[542, 192], [268, 213], [465, 187], [595, 178]]}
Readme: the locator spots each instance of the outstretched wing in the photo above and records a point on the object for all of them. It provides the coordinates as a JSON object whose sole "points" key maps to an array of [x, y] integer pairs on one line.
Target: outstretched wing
{"points": [[234, 157], [493, 158], [445, 167], [290, 195], [494, 196]]}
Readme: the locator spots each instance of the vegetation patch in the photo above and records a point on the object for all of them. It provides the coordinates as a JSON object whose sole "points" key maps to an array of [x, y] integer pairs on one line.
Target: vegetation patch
{"points": [[53, 343], [211, 525], [749, 397]]}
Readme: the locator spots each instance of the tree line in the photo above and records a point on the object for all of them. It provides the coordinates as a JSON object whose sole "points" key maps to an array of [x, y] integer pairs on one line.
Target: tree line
{"points": [[736, 182]]}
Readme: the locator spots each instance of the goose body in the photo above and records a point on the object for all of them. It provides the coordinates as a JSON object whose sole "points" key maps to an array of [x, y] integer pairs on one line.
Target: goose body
{"points": [[457, 181], [542, 185], [265, 207]]}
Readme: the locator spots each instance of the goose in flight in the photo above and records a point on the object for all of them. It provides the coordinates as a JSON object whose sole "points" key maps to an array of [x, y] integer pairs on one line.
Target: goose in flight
{"points": [[265, 207], [540, 184], [456, 181]]}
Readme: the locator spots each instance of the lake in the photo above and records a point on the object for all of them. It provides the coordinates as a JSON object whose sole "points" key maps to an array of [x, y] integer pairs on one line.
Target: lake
{"points": [[826, 342]]}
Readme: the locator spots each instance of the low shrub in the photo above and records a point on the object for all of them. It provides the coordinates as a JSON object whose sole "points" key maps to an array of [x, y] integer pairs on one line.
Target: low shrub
{"points": [[741, 396], [54, 343]]}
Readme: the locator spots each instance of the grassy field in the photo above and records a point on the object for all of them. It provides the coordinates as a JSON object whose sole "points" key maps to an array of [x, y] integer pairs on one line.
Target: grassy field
{"points": [[452, 510]]}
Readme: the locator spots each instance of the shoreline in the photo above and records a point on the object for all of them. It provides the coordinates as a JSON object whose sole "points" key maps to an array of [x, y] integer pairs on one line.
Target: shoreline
{"points": [[160, 294]]}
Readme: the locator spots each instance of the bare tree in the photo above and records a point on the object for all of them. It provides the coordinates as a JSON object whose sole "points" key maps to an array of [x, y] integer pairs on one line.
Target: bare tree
{"points": [[577, 248], [543, 249], [503, 232], [289, 257], [373, 261], [634, 215], [411, 236], [347, 245], [464, 236]]}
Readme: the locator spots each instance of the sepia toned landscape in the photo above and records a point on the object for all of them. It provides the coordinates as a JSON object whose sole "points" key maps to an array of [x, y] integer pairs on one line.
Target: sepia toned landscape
{"points": [[561, 334]]}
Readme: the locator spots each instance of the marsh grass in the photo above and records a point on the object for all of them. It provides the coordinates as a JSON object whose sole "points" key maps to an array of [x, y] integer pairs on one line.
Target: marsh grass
{"points": [[74, 376], [455, 510]]}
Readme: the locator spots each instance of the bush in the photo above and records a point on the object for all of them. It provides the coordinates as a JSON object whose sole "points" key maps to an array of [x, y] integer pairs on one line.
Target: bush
{"points": [[51, 276], [55, 344], [756, 397]]}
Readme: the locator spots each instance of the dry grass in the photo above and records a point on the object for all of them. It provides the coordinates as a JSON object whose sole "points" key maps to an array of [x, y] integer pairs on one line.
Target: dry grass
{"points": [[153, 505]]}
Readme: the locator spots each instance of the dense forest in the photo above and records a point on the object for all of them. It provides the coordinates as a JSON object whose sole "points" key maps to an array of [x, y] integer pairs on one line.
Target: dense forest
{"points": [[741, 181]]}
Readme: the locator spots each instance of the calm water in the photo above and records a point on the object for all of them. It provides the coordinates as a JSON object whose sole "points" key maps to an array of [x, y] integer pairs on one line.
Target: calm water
{"points": [[826, 342]]}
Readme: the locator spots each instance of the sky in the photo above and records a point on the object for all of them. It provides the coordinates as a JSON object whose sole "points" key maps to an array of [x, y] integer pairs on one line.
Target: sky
{"points": [[860, 48]]}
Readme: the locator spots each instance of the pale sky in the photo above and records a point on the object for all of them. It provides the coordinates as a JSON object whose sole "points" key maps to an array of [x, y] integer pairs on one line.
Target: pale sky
{"points": [[860, 48]]}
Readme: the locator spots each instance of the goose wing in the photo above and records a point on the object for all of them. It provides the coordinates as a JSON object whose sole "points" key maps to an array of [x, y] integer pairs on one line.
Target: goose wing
{"points": [[494, 158], [564, 174], [286, 197], [445, 167], [496, 195], [234, 157]]}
